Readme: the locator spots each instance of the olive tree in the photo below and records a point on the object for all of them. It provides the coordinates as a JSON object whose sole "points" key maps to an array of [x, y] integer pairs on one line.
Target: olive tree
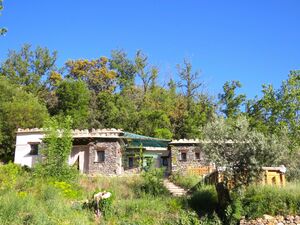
{"points": [[240, 151]]}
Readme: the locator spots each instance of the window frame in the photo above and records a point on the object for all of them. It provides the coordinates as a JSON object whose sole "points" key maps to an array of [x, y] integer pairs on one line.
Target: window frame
{"points": [[199, 157], [34, 152], [130, 160], [183, 159], [102, 158]]}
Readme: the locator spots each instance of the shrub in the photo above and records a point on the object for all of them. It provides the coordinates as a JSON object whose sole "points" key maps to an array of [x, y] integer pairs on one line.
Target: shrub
{"points": [[234, 211], [260, 200], [204, 200], [211, 220], [68, 190], [153, 182], [185, 180], [58, 145], [9, 174], [188, 218]]}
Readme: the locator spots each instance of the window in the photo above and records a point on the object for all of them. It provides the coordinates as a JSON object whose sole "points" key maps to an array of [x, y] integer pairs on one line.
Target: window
{"points": [[100, 156], [183, 156], [34, 149], [130, 162], [197, 155], [165, 161]]}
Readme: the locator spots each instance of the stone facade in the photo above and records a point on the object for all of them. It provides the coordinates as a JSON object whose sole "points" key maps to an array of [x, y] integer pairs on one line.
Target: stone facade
{"points": [[108, 151], [185, 157], [111, 163]]}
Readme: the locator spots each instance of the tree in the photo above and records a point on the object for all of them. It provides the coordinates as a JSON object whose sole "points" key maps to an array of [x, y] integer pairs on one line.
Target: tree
{"points": [[2, 30], [230, 101], [189, 82], [18, 109], [147, 75], [95, 73], [124, 67], [241, 151], [29, 68], [73, 100], [278, 109]]}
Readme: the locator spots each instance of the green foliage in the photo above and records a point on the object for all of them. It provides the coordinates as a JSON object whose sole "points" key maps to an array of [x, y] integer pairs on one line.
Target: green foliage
{"points": [[153, 182], [132, 207], [188, 218], [8, 175], [26, 199], [260, 200], [29, 208], [18, 109], [96, 74], [124, 68], [234, 211], [68, 190], [58, 145], [242, 151], [73, 100], [204, 200], [185, 180], [230, 101], [29, 68], [189, 82], [277, 110], [211, 220]]}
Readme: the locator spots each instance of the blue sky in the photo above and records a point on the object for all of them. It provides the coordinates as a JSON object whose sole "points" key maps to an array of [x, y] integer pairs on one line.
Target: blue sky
{"points": [[255, 42]]}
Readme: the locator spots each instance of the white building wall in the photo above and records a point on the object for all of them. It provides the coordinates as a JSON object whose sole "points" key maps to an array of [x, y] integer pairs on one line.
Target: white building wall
{"points": [[22, 151], [23, 148]]}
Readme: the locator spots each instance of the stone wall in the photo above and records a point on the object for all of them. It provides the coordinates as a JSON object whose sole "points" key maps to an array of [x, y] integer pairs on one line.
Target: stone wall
{"points": [[112, 164], [178, 164], [270, 220]]}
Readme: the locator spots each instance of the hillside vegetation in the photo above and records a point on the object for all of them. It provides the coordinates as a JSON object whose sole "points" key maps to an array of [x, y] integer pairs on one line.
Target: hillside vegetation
{"points": [[119, 91]]}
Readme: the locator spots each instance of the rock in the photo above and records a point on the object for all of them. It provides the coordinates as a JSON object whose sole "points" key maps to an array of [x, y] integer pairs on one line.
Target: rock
{"points": [[268, 217]]}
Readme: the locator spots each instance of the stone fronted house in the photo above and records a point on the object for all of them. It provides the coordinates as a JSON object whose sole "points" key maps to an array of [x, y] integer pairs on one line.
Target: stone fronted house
{"points": [[115, 152]]}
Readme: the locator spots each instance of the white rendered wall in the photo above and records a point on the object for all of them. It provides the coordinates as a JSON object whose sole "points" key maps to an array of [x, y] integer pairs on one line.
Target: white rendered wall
{"points": [[22, 150]]}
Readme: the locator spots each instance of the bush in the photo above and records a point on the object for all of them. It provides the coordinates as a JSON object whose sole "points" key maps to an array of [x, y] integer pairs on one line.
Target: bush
{"points": [[260, 200], [153, 182], [9, 175], [58, 144], [185, 180], [204, 200], [211, 220], [68, 190], [234, 211]]}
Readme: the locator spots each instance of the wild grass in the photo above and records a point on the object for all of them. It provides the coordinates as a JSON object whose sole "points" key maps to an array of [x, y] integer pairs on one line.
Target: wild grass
{"points": [[185, 180], [272, 200], [133, 203]]}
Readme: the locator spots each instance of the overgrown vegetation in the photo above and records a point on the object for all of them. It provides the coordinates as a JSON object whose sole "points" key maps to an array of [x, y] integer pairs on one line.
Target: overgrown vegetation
{"points": [[260, 200], [186, 180], [57, 148], [26, 199]]}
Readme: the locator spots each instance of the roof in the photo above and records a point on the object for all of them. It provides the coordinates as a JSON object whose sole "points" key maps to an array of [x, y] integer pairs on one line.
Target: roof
{"points": [[93, 133], [136, 140]]}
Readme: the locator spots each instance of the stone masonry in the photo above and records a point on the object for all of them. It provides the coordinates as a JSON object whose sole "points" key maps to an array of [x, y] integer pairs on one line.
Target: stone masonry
{"points": [[185, 157], [112, 163]]}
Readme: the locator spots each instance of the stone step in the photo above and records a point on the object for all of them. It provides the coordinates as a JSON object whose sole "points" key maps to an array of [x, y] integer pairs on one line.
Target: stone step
{"points": [[174, 189]]}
